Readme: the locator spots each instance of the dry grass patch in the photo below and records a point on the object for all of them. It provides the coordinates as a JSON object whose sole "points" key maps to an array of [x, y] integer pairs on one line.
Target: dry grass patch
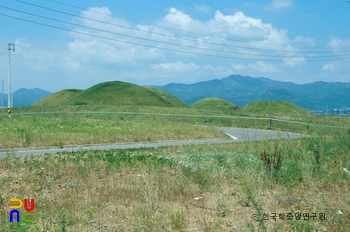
{"points": [[185, 188]]}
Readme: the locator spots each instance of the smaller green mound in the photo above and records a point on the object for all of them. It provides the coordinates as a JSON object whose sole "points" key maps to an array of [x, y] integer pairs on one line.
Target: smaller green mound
{"points": [[277, 108], [58, 98], [215, 104]]}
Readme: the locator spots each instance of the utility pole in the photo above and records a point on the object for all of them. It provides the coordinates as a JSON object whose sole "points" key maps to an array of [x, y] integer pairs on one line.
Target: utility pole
{"points": [[2, 95], [270, 111], [10, 47], [19, 103]]}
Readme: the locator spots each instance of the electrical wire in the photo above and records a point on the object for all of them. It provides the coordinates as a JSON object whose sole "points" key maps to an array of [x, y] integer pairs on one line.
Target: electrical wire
{"points": [[146, 31], [154, 25], [157, 47], [340, 56], [3, 51], [173, 44], [166, 35]]}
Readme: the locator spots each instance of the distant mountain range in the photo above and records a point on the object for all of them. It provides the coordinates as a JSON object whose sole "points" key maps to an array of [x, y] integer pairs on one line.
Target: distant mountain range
{"points": [[241, 90], [24, 97]]}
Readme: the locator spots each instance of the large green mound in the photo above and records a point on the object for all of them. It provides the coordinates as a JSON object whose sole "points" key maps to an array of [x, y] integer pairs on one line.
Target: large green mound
{"points": [[215, 104], [277, 108], [117, 93], [58, 98]]}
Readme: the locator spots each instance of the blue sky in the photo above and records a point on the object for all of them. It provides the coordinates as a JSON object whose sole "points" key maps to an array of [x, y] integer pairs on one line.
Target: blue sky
{"points": [[165, 41]]}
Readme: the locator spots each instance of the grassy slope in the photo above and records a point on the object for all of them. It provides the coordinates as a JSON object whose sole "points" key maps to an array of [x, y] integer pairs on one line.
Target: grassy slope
{"points": [[122, 93], [216, 104], [277, 108], [114, 93], [58, 98]]}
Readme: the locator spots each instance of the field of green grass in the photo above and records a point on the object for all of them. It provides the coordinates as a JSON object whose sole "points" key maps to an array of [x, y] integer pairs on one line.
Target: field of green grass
{"points": [[218, 187], [215, 104], [72, 128], [278, 108], [62, 130]]}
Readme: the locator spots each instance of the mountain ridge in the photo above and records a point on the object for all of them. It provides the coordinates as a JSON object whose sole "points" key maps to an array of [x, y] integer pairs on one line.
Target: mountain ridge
{"points": [[25, 97], [239, 90], [242, 90]]}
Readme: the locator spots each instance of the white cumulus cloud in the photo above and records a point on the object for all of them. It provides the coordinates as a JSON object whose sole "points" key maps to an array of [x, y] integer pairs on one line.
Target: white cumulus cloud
{"points": [[336, 44], [328, 67]]}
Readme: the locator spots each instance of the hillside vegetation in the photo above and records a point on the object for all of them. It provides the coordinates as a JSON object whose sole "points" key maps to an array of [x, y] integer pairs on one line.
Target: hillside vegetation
{"points": [[58, 98], [114, 93], [277, 108], [215, 104]]}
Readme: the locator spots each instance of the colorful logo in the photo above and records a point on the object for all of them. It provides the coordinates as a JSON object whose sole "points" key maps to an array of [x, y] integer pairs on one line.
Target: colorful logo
{"points": [[28, 216]]}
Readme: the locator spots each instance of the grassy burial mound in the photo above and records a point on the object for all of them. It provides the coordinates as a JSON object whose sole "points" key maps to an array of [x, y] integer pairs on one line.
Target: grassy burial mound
{"points": [[215, 104], [281, 108], [59, 98], [116, 93]]}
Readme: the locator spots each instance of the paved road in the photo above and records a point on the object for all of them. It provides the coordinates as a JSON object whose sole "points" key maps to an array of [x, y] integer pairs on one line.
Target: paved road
{"points": [[236, 135], [256, 134]]}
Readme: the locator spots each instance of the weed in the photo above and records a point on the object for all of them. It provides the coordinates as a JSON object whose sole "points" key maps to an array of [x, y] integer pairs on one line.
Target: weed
{"points": [[1, 200], [248, 191], [302, 225], [26, 136], [290, 174], [314, 146], [178, 220], [272, 161]]}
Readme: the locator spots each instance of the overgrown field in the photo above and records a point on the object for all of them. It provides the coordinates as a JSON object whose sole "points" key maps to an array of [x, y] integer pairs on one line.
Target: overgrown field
{"points": [[62, 130], [222, 187], [33, 129]]}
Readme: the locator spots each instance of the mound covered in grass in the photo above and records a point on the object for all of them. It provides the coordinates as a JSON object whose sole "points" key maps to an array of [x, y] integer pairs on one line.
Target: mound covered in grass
{"points": [[215, 104], [58, 98], [277, 108], [117, 93]]}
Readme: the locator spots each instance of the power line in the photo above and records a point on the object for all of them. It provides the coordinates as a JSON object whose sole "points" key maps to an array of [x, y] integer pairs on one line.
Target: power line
{"points": [[162, 34], [3, 52], [146, 31], [154, 25], [173, 44], [157, 47]]}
